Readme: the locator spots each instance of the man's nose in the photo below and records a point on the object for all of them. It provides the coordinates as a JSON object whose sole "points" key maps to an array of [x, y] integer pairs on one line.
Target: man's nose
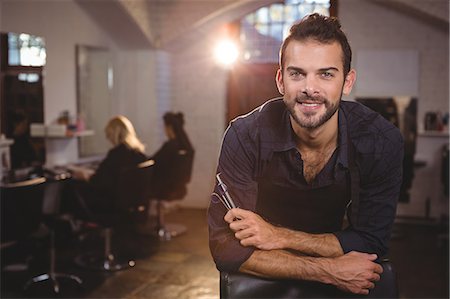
{"points": [[310, 86]]}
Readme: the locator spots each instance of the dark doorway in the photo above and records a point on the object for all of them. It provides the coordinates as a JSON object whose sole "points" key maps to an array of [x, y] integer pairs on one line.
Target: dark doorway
{"points": [[22, 103], [250, 85]]}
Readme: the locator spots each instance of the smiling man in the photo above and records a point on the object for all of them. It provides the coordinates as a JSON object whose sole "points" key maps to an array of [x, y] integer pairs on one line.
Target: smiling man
{"points": [[298, 164]]}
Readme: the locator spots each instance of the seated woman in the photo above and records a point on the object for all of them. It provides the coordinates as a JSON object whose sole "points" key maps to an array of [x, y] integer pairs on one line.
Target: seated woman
{"points": [[170, 177], [23, 154], [102, 184]]}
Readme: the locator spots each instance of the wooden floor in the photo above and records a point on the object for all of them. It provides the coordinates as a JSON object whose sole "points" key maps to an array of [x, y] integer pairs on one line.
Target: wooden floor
{"points": [[183, 269]]}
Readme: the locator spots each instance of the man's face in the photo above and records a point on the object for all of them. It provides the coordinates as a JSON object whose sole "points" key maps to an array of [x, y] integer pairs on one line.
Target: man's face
{"points": [[312, 81]]}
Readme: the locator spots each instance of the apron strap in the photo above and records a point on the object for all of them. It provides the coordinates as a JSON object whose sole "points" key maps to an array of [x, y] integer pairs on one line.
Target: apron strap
{"points": [[354, 181]]}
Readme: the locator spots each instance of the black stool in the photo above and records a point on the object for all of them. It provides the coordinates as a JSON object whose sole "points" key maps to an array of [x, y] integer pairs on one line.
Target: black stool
{"points": [[108, 260], [57, 282], [55, 279]]}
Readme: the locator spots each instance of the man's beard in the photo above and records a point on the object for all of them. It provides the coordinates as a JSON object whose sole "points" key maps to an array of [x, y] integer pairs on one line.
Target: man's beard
{"points": [[309, 121]]}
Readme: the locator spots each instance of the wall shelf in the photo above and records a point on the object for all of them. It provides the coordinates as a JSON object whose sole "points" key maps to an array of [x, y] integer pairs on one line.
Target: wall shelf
{"points": [[433, 134], [39, 130], [67, 135]]}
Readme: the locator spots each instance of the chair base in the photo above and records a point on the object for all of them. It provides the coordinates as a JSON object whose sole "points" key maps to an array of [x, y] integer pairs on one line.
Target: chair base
{"points": [[111, 263], [57, 281], [170, 230]]}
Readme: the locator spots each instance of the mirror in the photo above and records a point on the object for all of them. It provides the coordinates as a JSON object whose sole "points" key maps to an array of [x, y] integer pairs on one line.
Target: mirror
{"points": [[94, 90]]}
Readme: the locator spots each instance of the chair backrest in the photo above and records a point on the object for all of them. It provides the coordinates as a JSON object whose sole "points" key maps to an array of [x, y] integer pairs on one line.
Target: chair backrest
{"points": [[21, 208], [174, 186], [136, 188], [183, 169], [239, 285]]}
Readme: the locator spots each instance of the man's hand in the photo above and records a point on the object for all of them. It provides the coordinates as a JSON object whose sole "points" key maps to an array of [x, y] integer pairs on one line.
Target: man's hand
{"points": [[355, 272], [252, 230]]}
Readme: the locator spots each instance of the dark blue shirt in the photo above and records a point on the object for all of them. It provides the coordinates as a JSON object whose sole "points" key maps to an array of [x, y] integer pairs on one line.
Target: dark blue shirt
{"points": [[253, 140]]}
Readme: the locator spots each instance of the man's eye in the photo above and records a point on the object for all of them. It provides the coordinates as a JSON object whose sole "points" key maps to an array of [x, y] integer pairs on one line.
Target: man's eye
{"points": [[327, 75], [294, 74]]}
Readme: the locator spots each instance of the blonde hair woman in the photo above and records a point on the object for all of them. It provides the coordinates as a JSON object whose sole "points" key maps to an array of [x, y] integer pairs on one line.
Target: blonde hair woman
{"points": [[119, 130], [127, 153]]}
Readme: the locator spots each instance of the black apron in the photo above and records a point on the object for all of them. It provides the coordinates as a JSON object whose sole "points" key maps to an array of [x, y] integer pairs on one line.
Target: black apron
{"points": [[319, 210]]}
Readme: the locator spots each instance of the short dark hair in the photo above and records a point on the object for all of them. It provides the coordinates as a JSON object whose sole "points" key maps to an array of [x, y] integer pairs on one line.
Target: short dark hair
{"points": [[322, 29]]}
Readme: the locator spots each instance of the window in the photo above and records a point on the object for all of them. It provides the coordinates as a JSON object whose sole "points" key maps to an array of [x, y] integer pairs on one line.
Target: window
{"points": [[263, 31], [26, 50]]}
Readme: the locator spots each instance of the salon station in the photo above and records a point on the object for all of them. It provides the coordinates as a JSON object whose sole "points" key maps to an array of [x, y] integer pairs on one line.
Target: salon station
{"points": [[69, 68]]}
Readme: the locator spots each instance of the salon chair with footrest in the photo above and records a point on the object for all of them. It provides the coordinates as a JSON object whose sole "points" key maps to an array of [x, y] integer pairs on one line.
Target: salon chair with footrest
{"points": [[174, 189], [129, 210]]}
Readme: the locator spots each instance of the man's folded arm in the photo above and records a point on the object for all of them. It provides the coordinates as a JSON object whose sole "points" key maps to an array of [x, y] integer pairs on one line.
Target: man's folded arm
{"points": [[227, 252], [379, 192], [354, 272]]}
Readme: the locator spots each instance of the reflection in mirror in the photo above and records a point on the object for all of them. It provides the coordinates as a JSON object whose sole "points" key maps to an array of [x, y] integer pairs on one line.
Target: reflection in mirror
{"points": [[402, 112], [94, 88], [23, 57]]}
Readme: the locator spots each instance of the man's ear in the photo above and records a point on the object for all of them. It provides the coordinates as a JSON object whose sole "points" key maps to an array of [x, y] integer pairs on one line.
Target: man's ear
{"points": [[279, 81], [350, 80]]}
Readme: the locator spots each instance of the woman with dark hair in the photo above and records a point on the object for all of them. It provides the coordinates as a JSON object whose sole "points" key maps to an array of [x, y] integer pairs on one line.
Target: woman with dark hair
{"points": [[173, 160]]}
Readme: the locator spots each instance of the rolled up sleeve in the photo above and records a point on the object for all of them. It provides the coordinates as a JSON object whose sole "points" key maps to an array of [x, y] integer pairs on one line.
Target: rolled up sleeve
{"points": [[235, 166], [381, 180]]}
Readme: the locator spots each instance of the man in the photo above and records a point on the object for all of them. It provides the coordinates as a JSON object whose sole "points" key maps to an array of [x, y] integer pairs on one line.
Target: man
{"points": [[295, 165]]}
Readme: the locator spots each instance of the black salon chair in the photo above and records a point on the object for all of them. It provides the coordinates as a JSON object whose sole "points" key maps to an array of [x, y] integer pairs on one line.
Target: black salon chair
{"points": [[22, 214], [174, 189], [21, 209], [239, 285], [130, 210], [52, 281]]}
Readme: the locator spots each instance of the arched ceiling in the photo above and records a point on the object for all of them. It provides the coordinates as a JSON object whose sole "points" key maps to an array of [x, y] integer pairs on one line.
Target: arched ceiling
{"points": [[169, 24], [141, 24]]}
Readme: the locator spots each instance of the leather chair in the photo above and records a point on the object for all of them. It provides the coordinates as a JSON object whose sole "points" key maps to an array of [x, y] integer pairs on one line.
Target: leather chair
{"points": [[135, 190], [180, 177], [22, 213], [239, 285], [21, 209]]}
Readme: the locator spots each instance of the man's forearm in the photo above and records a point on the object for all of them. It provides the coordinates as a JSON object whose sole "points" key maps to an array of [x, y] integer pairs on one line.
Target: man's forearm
{"points": [[281, 264], [252, 230], [325, 245], [353, 272]]}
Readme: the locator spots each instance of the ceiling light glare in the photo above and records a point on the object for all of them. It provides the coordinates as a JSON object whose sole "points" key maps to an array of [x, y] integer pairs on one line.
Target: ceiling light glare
{"points": [[226, 52]]}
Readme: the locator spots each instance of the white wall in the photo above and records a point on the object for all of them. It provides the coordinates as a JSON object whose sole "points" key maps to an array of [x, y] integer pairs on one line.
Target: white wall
{"points": [[136, 93], [199, 91], [64, 24], [373, 27]]}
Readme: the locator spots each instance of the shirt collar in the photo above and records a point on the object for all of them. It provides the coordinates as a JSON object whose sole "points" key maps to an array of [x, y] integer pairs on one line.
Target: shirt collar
{"points": [[277, 134]]}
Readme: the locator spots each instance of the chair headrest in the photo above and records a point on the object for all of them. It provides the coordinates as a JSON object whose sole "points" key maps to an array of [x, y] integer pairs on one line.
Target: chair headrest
{"points": [[147, 163], [30, 182]]}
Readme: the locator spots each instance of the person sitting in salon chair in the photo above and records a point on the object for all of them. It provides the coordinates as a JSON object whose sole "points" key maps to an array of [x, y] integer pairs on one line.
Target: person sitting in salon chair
{"points": [[101, 192], [168, 183], [173, 168]]}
